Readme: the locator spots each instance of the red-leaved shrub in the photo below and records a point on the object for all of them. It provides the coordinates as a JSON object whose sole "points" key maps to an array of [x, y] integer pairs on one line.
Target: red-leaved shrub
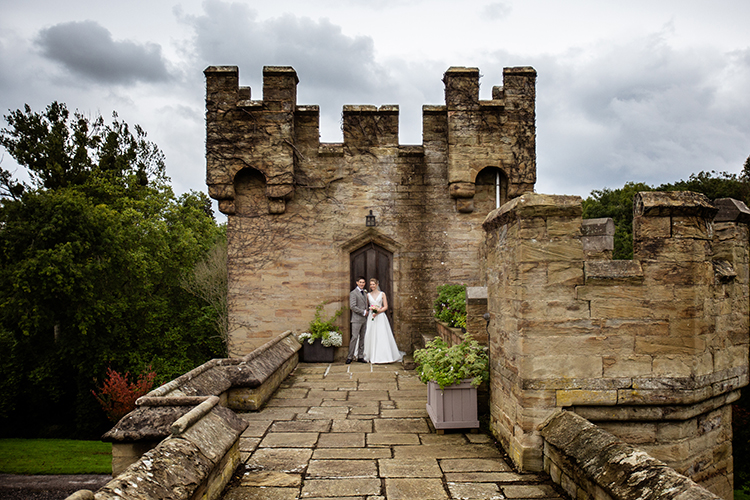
{"points": [[117, 395]]}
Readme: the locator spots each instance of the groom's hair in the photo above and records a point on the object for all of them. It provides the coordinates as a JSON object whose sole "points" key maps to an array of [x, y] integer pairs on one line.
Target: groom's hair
{"points": [[361, 278]]}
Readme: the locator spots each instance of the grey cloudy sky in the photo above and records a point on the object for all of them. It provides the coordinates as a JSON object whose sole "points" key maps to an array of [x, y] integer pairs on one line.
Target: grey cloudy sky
{"points": [[647, 91]]}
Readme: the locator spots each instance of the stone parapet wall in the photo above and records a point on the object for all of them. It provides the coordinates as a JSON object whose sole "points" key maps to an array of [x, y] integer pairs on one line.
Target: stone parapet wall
{"points": [[589, 463], [296, 207], [652, 349], [201, 399]]}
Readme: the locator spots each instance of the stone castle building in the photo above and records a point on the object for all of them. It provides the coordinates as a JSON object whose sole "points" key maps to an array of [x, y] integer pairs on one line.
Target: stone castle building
{"points": [[653, 350], [297, 208]]}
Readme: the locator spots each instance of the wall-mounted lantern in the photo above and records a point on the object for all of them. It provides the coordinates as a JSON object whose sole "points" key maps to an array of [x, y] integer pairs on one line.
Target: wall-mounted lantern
{"points": [[370, 220]]}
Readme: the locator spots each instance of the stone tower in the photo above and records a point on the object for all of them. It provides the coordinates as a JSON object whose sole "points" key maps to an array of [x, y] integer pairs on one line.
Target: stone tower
{"points": [[297, 207]]}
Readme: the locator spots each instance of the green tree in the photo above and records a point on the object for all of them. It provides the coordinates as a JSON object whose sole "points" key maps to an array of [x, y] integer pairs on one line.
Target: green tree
{"points": [[617, 204], [715, 185], [91, 256]]}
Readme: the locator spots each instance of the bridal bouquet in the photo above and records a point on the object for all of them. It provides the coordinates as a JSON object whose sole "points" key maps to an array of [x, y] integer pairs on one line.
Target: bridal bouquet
{"points": [[375, 310]]}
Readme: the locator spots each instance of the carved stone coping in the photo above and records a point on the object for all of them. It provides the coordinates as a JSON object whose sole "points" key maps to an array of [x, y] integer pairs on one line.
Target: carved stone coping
{"points": [[191, 417], [476, 295], [588, 461], [157, 411], [598, 227], [197, 461], [218, 375], [731, 210], [673, 203], [530, 205]]}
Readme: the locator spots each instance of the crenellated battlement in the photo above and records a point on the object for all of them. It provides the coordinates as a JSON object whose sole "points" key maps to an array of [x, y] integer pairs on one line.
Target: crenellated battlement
{"points": [[280, 139], [652, 349]]}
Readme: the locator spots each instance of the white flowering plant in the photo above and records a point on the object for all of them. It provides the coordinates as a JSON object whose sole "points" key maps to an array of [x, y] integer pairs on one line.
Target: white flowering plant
{"points": [[328, 333]]}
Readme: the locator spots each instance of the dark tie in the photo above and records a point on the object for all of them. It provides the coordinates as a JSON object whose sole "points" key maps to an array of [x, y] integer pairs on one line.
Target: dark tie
{"points": [[363, 292]]}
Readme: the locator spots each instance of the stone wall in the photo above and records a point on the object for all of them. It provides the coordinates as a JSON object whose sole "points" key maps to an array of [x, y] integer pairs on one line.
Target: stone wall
{"points": [[653, 349], [588, 462], [296, 207]]}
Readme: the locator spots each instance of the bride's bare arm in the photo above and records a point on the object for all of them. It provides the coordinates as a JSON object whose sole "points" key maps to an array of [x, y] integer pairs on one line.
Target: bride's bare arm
{"points": [[385, 304]]}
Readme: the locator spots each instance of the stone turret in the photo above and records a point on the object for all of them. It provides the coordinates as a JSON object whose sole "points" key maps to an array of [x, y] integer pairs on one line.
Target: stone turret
{"points": [[653, 350]]}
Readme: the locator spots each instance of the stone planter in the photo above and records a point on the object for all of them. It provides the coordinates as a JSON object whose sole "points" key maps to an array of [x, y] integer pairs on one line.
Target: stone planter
{"points": [[317, 352], [454, 407]]}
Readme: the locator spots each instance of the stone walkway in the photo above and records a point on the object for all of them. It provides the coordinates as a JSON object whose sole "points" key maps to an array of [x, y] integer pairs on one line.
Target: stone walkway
{"points": [[361, 432]]}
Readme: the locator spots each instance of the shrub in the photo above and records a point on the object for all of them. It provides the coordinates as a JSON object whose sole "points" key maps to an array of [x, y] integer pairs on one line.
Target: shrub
{"points": [[450, 305], [448, 365], [117, 395]]}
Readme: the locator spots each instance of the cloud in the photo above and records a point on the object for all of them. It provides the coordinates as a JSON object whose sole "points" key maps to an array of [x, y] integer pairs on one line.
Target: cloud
{"points": [[496, 11], [638, 110], [333, 68], [87, 49]]}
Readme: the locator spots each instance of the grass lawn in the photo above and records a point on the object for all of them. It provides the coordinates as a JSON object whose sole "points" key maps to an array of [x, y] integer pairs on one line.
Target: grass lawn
{"points": [[54, 456]]}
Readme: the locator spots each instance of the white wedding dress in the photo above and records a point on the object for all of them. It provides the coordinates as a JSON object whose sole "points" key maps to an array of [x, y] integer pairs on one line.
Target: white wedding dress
{"points": [[380, 346]]}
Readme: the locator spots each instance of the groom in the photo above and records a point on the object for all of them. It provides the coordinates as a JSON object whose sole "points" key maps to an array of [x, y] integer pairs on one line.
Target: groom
{"points": [[358, 305]]}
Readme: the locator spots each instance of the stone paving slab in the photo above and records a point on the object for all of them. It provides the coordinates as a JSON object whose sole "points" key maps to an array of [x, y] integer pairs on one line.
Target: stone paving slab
{"points": [[361, 432], [279, 459], [484, 477], [426, 467], [411, 425], [294, 402], [342, 468], [257, 428], [273, 414], [289, 440], [390, 439], [457, 439], [405, 413], [352, 453], [475, 491], [291, 393], [340, 487], [342, 440], [271, 479], [413, 489], [301, 426], [351, 425], [447, 451], [474, 465]]}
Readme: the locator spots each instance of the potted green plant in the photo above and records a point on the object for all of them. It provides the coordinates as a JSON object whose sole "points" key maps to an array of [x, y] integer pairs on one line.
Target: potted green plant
{"points": [[452, 375], [319, 343]]}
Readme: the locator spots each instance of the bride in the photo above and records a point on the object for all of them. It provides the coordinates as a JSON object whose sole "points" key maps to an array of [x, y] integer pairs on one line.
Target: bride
{"points": [[380, 347]]}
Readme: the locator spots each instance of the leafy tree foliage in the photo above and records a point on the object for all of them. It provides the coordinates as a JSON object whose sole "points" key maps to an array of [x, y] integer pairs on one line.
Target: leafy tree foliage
{"points": [[92, 253], [618, 203]]}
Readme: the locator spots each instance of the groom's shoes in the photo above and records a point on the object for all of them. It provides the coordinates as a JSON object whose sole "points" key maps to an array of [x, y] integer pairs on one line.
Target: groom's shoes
{"points": [[361, 360], [348, 360]]}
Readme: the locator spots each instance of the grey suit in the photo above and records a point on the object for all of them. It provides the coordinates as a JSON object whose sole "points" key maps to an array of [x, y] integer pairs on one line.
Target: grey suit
{"points": [[358, 305]]}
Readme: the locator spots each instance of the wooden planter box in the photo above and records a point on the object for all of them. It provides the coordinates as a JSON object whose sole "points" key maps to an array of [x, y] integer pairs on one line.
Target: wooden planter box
{"points": [[317, 352], [454, 407]]}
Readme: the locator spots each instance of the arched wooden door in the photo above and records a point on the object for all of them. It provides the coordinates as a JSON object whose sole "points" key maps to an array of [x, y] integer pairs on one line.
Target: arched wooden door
{"points": [[373, 261]]}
